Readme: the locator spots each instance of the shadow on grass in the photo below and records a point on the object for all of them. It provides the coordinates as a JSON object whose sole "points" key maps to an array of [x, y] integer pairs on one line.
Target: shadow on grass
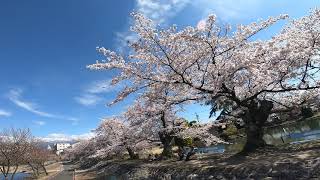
{"points": [[288, 162]]}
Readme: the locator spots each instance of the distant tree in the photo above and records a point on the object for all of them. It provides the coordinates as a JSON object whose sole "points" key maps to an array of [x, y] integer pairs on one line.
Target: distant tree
{"points": [[116, 137], [14, 145], [226, 67], [81, 150], [37, 157], [111, 133]]}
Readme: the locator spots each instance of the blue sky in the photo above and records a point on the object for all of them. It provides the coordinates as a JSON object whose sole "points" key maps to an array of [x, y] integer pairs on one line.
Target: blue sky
{"points": [[46, 45]]}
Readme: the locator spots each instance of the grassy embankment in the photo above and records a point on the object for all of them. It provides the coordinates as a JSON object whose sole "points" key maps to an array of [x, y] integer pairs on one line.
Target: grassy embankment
{"points": [[295, 161]]}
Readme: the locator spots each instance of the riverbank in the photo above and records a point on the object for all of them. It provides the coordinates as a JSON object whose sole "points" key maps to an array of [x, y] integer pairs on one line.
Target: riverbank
{"points": [[298, 161], [25, 172]]}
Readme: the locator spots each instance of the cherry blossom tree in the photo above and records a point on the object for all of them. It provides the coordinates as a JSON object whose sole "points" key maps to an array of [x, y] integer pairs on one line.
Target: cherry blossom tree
{"points": [[205, 133], [155, 113], [114, 136], [81, 150], [227, 67]]}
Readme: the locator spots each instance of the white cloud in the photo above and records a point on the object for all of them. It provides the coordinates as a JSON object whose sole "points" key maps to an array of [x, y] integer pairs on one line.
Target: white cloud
{"points": [[39, 123], [122, 39], [91, 93], [88, 99], [100, 87], [66, 137], [228, 9], [75, 121], [5, 113], [15, 96], [160, 11]]}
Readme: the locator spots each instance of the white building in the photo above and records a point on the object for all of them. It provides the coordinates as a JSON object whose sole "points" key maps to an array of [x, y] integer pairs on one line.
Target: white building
{"points": [[60, 147]]}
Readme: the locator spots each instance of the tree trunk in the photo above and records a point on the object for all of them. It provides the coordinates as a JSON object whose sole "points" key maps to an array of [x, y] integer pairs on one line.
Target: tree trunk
{"points": [[180, 153], [34, 171], [167, 140], [6, 174], [255, 117], [36, 167], [190, 153], [132, 154], [14, 172], [167, 150], [44, 169], [3, 171]]}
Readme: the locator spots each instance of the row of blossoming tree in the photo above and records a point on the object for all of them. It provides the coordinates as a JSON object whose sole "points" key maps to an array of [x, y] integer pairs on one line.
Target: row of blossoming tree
{"points": [[227, 68], [143, 126]]}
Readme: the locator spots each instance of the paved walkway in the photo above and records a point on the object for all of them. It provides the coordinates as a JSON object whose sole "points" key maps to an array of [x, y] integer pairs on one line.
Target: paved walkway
{"points": [[66, 174]]}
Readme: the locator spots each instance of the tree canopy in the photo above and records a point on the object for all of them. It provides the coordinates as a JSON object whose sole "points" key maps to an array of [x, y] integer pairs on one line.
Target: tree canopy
{"points": [[228, 67]]}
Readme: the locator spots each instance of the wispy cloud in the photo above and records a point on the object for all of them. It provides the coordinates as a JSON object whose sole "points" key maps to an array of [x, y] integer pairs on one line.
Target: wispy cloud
{"points": [[122, 39], [228, 9], [66, 137], [39, 123], [88, 99], [100, 87], [160, 11], [75, 121], [91, 94], [15, 96], [5, 113]]}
